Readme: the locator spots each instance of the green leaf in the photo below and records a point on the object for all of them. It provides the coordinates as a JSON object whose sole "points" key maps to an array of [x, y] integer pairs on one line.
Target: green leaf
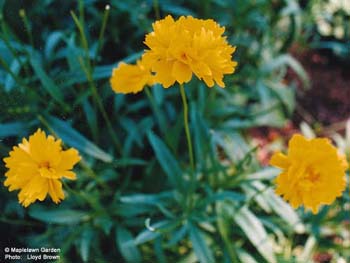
{"points": [[12, 129], [155, 230], [175, 9], [86, 238], [104, 222], [90, 116], [244, 256], [263, 174], [307, 131], [340, 49], [234, 124], [285, 94], [287, 60], [255, 232], [9, 81], [234, 145], [280, 207], [200, 135], [146, 236], [135, 131], [100, 72], [52, 42], [200, 247], [73, 138], [129, 211], [56, 216], [309, 248], [159, 250], [126, 246], [178, 235], [129, 162], [166, 160], [224, 226], [47, 82], [151, 199], [258, 196], [226, 195]]}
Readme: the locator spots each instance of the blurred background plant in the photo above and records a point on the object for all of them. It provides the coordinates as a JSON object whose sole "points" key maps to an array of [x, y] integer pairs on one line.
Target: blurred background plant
{"points": [[332, 21], [134, 200]]}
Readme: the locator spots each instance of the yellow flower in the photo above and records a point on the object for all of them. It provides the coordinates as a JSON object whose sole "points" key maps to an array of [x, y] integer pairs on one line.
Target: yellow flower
{"points": [[178, 49], [130, 78], [36, 167], [313, 173]]}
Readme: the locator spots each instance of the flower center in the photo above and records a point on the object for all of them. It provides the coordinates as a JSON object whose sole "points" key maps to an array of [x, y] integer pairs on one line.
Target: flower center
{"points": [[312, 175], [44, 164], [47, 171], [310, 178]]}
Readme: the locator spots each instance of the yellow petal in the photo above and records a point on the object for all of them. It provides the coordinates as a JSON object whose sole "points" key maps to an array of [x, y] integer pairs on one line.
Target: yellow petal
{"points": [[69, 175], [181, 72], [68, 159], [55, 190], [279, 160]]}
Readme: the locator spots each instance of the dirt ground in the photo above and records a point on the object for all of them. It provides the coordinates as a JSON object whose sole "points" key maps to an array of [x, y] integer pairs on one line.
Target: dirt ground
{"points": [[328, 100]]}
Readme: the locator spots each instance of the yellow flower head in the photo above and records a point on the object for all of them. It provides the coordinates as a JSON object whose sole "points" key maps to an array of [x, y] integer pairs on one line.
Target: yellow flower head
{"points": [[178, 49], [313, 173], [130, 78], [36, 167]]}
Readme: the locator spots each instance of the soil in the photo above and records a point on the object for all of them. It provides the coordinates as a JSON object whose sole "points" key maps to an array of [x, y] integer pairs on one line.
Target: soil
{"points": [[328, 100]]}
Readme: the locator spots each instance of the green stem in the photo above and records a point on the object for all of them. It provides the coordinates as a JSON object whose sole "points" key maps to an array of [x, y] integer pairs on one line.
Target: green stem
{"points": [[100, 106], [103, 29], [83, 38], [187, 129], [88, 70], [156, 9], [23, 15]]}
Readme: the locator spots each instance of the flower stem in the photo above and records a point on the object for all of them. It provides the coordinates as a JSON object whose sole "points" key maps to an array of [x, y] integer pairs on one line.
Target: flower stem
{"points": [[101, 34], [156, 9], [187, 129], [99, 103]]}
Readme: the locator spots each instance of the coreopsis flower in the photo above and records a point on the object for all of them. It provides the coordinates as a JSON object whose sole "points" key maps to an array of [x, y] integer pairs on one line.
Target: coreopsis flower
{"points": [[36, 167], [128, 78], [313, 172], [178, 49]]}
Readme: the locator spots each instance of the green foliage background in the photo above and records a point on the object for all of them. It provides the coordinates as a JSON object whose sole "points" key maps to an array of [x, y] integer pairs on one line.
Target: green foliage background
{"points": [[136, 198]]}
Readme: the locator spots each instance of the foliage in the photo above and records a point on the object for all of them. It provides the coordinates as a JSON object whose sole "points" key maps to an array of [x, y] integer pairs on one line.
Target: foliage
{"points": [[331, 20], [136, 197]]}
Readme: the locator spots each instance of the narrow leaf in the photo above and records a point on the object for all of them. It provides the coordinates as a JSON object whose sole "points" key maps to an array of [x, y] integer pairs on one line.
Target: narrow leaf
{"points": [[11, 129], [86, 238], [166, 159], [63, 216], [47, 82], [126, 246], [73, 138], [151, 199], [203, 253], [255, 232]]}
